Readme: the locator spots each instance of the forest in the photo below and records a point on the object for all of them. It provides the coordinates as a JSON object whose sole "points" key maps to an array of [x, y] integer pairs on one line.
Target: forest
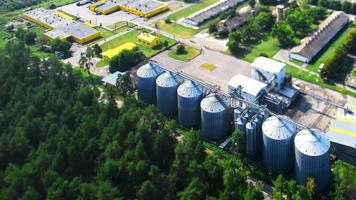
{"points": [[62, 137]]}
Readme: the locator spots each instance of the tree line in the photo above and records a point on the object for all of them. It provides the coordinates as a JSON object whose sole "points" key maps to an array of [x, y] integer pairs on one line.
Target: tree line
{"points": [[346, 6]]}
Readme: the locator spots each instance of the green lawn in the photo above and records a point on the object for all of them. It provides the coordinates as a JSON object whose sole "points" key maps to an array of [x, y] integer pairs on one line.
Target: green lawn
{"points": [[316, 80], [191, 53], [191, 9], [132, 37], [177, 29], [102, 63], [354, 73], [329, 50], [269, 46]]}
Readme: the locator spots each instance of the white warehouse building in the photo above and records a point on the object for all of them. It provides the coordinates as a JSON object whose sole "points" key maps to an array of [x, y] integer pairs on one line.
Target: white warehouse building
{"points": [[265, 69], [250, 88]]}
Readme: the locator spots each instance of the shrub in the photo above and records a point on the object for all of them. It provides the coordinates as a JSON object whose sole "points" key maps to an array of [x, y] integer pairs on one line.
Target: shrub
{"points": [[181, 49]]}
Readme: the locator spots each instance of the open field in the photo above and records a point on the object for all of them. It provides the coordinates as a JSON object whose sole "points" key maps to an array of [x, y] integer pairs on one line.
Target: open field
{"points": [[189, 55], [132, 37], [177, 29], [329, 50], [191, 9], [316, 80], [268, 46]]}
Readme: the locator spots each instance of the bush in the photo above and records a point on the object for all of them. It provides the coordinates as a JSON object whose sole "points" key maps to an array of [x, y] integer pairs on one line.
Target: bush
{"points": [[181, 49], [168, 21], [30, 38], [52, 6], [212, 28], [126, 60]]}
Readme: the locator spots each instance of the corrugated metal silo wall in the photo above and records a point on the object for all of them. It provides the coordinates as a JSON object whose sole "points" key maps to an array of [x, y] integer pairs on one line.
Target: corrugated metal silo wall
{"points": [[259, 120], [251, 139], [214, 126], [167, 99], [317, 167], [278, 155], [146, 88], [189, 110]]}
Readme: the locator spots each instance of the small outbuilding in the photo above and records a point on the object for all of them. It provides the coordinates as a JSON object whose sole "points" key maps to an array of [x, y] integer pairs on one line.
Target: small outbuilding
{"points": [[147, 39]]}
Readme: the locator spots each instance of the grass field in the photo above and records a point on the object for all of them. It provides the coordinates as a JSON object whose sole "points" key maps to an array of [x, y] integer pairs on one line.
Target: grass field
{"points": [[316, 80], [191, 53], [329, 50], [268, 46], [132, 37], [177, 29], [191, 9], [102, 63]]}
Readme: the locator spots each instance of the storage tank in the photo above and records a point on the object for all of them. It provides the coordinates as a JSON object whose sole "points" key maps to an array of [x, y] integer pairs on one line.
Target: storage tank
{"points": [[146, 82], [251, 138], [240, 124], [237, 113], [214, 118], [166, 89], [312, 157], [248, 115], [189, 98], [258, 120], [278, 144]]}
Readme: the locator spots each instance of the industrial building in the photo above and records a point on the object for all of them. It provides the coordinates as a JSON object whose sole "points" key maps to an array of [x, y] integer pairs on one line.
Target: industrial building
{"points": [[248, 88], [61, 27], [268, 136], [310, 46], [214, 10], [148, 40], [111, 53], [142, 8]]}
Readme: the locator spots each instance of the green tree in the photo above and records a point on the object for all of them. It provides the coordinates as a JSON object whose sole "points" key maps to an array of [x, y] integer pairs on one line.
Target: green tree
{"points": [[126, 59], [311, 188], [181, 49], [97, 50], [284, 33], [124, 84], [252, 3], [148, 191], [30, 38]]}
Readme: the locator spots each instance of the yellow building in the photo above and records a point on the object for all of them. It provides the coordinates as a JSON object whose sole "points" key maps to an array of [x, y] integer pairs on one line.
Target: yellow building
{"points": [[143, 8], [61, 27], [111, 53], [93, 6], [148, 39], [107, 8]]}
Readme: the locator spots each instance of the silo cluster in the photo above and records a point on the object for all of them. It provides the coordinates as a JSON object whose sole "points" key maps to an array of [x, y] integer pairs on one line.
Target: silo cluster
{"points": [[274, 138]]}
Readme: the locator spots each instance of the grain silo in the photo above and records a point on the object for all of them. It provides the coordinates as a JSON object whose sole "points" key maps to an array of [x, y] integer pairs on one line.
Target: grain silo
{"points": [[312, 157], [166, 90], [240, 124], [146, 82], [189, 98], [215, 122], [237, 113], [251, 139], [258, 120], [278, 144]]}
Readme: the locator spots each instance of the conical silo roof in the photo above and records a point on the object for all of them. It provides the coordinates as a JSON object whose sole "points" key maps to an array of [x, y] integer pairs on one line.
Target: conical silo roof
{"points": [[212, 104], [148, 70], [277, 128], [167, 79], [189, 89], [312, 142]]}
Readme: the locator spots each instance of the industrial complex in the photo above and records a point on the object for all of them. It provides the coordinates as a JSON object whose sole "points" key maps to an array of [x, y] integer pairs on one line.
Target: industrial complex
{"points": [[289, 127]]}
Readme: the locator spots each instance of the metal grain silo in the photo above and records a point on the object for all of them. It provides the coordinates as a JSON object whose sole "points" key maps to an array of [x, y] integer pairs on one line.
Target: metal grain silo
{"points": [[312, 157], [240, 124], [189, 98], [166, 90], [251, 138], [146, 82], [215, 123], [278, 144], [237, 113], [258, 120]]}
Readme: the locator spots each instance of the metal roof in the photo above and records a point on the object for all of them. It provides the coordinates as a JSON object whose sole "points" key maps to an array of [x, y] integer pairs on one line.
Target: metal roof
{"points": [[278, 129], [148, 70], [312, 142], [249, 85], [167, 79], [268, 65], [212, 104], [111, 79], [189, 89]]}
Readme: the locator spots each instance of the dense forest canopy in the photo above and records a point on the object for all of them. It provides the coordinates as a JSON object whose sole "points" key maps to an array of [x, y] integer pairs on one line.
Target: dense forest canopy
{"points": [[64, 138]]}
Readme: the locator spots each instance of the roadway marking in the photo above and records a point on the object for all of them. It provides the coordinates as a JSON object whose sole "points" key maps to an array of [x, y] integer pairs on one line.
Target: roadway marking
{"points": [[347, 120], [337, 130]]}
